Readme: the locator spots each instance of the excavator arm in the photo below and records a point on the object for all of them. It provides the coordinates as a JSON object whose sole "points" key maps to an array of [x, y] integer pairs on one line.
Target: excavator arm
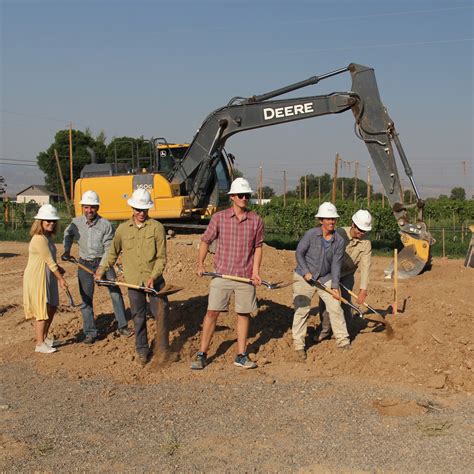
{"points": [[196, 172]]}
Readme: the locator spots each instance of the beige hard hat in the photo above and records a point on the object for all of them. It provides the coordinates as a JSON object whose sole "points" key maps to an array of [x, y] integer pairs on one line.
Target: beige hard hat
{"points": [[240, 185], [47, 212], [363, 220], [327, 210], [141, 199], [90, 198]]}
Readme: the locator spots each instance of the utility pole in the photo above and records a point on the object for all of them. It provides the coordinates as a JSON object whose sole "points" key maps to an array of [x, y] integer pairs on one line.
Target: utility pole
{"points": [[305, 187], [319, 190], [334, 180], [63, 186], [356, 177], [261, 186], [368, 186], [284, 188], [342, 188], [71, 176]]}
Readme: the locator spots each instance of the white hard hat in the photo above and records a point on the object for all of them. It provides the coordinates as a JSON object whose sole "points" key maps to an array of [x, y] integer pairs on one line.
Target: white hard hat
{"points": [[240, 185], [141, 199], [327, 210], [363, 220], [90, 198], [47, 213]]}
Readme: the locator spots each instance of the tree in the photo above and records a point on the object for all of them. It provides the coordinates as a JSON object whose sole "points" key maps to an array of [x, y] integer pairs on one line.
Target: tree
{"points": [[80, 142], [312, 183], [3, 185], [267, 192], [458, 193]]}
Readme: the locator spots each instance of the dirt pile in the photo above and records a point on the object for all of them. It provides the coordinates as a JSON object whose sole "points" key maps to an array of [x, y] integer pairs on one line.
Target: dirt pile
{"points": [[432, 346]]}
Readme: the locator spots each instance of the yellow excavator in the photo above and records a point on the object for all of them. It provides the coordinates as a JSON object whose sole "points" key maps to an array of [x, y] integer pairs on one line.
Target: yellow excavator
{"points": [[188, 183]]}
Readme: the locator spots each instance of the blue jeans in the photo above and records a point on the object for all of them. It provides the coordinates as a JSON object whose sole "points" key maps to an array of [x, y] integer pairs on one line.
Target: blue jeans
{"points": [[86, 288], [160, 309]]}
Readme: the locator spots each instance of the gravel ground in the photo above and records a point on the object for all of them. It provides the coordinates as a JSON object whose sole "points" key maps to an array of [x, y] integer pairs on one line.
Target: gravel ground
{"points": [[253, 424]]}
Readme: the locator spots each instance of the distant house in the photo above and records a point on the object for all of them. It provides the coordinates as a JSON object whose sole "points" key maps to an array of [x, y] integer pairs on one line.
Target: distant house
{"points": [[39, 194], [259, 201]]}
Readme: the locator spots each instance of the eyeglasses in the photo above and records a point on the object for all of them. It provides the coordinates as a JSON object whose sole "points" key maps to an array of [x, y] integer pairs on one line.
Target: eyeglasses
{"points": [[50, 222], [138, 211], [243, 196], [360, 230]]}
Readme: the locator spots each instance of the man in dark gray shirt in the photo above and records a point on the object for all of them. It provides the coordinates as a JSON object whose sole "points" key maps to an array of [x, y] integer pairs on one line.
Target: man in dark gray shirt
{"points": [[319, 257], [94, 235]]}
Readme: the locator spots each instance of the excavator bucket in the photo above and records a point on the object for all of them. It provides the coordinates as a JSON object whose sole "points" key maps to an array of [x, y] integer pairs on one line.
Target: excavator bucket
{"points": [[413, 257]]}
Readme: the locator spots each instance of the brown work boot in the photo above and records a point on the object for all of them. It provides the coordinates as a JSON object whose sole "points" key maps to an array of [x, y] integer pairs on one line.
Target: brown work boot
{"points": [[142, 358]]}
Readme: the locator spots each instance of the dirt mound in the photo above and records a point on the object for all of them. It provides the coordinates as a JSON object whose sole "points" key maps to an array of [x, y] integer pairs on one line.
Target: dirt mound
{"points": [[432, 346]]}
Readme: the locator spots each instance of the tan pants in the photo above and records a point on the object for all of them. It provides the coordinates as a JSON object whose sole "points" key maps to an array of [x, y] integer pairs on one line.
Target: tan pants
{"points": [[348, 282], [302, 294]]}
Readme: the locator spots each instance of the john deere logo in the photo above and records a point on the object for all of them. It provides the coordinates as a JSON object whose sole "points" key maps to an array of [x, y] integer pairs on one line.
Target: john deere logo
{"points": [[289, 111]]}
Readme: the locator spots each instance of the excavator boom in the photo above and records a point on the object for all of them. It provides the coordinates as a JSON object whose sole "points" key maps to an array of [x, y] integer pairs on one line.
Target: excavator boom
{"points": [[196, 174]]}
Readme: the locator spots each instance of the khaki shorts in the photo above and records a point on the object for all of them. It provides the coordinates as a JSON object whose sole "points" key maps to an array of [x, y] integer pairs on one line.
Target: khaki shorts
{"points": [[221, 290]]}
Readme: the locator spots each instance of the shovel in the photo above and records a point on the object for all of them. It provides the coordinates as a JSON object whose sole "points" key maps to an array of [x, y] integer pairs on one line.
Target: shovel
{"points": [[375, 317], [318, 284], [271, 286], [70, 300], [166, 290], [86, 269]]}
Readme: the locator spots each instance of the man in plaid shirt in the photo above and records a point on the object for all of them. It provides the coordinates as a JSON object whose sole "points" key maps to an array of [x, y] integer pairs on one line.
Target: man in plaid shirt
{"points": [[238, 233]]}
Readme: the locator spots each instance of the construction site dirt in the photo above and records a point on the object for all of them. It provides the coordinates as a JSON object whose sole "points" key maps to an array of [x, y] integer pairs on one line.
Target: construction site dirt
{"points": [[420, 380]]}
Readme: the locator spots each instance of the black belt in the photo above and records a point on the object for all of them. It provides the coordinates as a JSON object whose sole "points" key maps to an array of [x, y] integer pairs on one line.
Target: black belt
{"points": [[98, 259]]}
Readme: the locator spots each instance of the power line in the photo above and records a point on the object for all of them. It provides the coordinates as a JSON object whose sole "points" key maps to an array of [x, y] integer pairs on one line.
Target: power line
{"points": [[17, 159], [370, 46], [17, 164]]}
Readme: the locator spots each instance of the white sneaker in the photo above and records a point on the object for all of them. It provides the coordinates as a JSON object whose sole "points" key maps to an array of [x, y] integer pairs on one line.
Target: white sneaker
{"points": [[45, 349], [51, 342]]}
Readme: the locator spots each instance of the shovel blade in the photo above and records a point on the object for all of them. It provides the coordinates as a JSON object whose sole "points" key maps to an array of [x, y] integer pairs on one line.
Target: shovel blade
{"points": [[168, 290]]}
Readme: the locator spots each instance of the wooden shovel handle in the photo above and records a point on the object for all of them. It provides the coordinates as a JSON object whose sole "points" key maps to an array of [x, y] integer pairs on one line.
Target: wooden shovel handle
{"points": [[236, 278], [83, 267], [375, 315], [227, 277], [354, 295]]}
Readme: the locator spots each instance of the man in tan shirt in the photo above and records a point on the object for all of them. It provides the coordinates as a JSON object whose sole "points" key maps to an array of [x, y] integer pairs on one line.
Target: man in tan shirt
{"points": [[357, 254], [142, 242]]}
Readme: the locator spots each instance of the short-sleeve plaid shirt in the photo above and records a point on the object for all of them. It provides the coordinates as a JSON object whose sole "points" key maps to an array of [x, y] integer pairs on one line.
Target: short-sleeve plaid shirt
{"points": [[236, 241]]}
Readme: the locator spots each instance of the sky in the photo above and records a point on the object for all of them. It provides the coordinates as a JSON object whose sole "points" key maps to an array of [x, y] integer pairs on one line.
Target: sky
{"points": [[158, 68]]}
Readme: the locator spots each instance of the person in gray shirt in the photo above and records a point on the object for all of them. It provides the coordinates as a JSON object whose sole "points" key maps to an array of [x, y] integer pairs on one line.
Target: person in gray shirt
{"points": [[319, 257], [94, 235]]}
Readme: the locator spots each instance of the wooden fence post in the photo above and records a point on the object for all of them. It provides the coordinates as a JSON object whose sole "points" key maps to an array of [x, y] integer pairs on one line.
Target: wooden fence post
{"points": [[444, 245], [395, 282]]}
